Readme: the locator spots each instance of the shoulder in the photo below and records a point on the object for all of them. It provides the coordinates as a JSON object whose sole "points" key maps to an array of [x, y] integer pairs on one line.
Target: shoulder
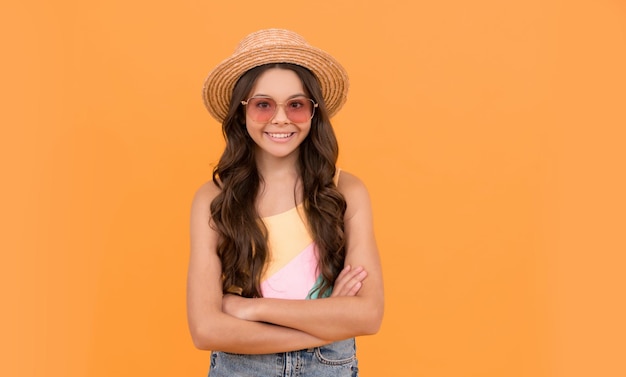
{"points": [[354, 191], [350, 185], [204, 196]]}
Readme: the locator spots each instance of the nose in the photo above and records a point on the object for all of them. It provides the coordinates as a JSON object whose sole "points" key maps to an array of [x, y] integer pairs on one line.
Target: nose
{"points": [[280, 117]]}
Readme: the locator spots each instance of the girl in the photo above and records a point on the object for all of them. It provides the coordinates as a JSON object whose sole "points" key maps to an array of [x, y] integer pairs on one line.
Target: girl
{"points": [[284, 270]]}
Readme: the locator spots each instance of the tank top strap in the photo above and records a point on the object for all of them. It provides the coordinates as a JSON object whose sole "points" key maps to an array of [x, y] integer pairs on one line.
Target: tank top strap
{"points": [[336, 177]]}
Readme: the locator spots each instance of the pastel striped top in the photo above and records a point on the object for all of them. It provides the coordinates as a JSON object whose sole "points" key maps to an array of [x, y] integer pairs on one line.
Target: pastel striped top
{"points": [[292, 271]]}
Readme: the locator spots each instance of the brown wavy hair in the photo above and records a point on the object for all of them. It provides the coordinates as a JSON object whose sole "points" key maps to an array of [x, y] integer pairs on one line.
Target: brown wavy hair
{"points": [[242, 246]]}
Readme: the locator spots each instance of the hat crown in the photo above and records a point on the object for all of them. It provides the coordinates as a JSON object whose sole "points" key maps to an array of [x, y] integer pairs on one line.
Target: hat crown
{"points": [[271, 46], [270, 37]]}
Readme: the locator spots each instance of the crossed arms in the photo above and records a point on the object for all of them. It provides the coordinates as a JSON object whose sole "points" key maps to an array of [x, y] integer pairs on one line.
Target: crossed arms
{"points": [[264, 325]]}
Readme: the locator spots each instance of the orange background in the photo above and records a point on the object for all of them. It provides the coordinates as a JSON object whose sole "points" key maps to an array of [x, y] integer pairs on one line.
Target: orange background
{"points": [[490, 133]]}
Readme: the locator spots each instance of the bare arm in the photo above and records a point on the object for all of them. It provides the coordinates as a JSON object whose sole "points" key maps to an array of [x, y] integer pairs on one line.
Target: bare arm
{"points": [[337, 317], [210, 327]]}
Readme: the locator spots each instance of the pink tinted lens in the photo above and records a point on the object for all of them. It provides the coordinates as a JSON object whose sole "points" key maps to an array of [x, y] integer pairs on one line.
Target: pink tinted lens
{"points": [[263, 109], [299, 110]]}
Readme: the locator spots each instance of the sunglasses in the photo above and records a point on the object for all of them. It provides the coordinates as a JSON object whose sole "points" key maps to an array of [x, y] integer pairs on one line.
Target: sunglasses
{"points": [[263, 109]]}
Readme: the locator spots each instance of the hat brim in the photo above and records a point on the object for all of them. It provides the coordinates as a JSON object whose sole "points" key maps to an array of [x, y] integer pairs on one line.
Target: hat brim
{"points": [[332, 77]]}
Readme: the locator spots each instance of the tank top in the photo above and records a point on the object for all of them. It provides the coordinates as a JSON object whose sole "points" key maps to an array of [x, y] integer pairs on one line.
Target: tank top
{"points": [[292, 271]]}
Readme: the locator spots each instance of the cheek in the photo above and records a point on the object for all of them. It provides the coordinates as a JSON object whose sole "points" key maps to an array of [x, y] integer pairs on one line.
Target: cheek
{"points": [[307, 130], [253, 130], [249, 125]]}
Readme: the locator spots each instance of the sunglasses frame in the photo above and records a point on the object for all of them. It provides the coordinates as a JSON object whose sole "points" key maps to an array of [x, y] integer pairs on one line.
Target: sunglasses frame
{"points": [[278, 104]]}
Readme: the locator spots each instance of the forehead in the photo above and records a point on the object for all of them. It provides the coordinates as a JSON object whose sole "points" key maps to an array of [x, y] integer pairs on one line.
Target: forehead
{"points": [[278, 83]]}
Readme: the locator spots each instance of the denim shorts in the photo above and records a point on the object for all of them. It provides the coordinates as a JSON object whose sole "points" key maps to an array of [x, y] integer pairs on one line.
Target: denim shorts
{"points": [[337, 359]]}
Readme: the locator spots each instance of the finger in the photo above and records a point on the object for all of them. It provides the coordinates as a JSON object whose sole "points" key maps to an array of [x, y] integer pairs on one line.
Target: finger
{"points": [[343, 272], [349, 289], [340, 281], [355, 289], [353, 273], [350, 284], [356, 283]]}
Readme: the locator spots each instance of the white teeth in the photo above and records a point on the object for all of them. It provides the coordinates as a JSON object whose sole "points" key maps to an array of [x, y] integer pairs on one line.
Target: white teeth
{"points": [[279, 136]]}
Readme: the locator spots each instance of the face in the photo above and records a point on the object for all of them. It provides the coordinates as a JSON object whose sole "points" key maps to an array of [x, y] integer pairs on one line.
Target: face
{"points": [[279, 136]]}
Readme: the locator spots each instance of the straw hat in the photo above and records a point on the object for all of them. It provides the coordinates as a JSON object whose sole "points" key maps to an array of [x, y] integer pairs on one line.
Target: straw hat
{"points": [[274, 46]]}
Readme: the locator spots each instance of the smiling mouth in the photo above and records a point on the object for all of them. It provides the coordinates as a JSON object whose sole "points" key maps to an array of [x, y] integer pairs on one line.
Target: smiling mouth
{"points": [[280, 135]]}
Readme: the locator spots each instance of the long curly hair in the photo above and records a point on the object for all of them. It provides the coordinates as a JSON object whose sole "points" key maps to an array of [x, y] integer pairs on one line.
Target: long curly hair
{"points": [[242, 246]]}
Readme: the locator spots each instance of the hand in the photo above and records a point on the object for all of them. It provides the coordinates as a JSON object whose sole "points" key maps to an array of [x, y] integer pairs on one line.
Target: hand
{"points": [[349, 281], [237, 306]]}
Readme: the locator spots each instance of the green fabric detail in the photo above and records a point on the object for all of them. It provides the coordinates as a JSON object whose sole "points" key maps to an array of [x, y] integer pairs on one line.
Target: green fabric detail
{"points": [[314, 293]]}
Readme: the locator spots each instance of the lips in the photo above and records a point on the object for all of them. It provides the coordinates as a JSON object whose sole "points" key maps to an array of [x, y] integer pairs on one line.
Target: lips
{"points": [[280, 135]]}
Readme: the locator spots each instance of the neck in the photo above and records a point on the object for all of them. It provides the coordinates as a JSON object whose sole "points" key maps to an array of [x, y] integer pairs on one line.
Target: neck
{"points": [[276, 167], [280, 186]]}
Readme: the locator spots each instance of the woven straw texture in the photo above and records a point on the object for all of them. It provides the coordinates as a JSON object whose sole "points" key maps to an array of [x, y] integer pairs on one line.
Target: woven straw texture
{"points": [[275, 46]]}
